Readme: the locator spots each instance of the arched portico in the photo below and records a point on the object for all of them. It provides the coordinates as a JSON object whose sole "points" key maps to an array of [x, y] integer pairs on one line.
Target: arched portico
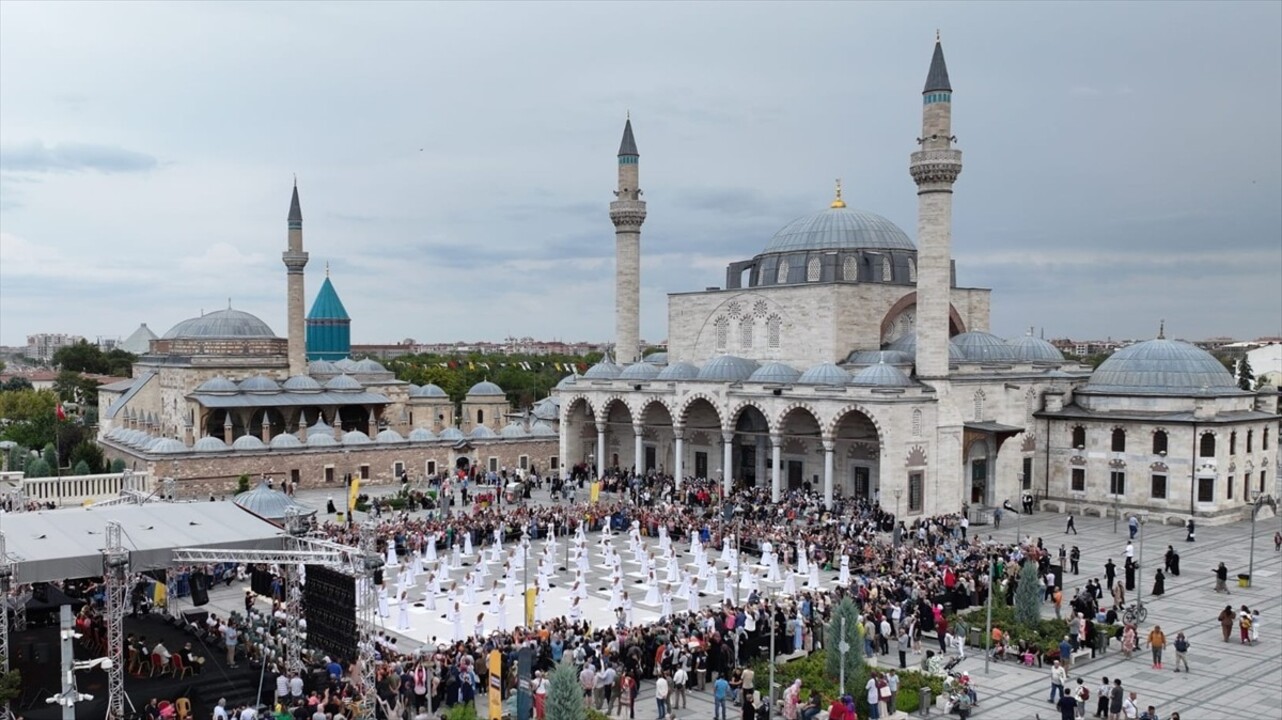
{"points": [[615, 433], [699, 423], [578, 431], [657, 443], [750, 444], [855, 438], [794, 442]]}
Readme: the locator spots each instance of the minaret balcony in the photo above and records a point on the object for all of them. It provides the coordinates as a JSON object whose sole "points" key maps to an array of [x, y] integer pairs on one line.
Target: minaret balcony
{"points": [[294, 261], [935, 166]]}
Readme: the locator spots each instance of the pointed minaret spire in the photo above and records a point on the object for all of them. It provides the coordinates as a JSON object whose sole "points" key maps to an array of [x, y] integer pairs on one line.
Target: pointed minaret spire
{"points": [[295, 260], [1161, 329], [628, 146], [295, 210], [627, 212], [937, 78]]}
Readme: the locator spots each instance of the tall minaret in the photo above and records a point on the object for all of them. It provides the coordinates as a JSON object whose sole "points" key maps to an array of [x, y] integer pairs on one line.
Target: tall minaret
{"points": [[295, 260], [627, 213], [935, 168]]}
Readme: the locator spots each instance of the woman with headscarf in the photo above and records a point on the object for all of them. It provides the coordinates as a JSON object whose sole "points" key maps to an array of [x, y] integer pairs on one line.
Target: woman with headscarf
{"points": [[1159, 583], [792, 700]]}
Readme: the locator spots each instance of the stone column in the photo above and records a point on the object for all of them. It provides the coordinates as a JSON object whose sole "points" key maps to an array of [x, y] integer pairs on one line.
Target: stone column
{"points": [[678, 433], [829, 446], [727, 459], [776, 450], [637, 450], [759, 469], [600, 448], [563, 445]]}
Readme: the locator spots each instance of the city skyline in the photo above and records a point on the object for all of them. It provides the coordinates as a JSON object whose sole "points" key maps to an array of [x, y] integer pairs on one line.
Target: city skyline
{"points": [[1119, 170]]}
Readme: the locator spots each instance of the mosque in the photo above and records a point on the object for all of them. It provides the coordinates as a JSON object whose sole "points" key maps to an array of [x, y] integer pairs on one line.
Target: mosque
{"points": [[844, 358], [220, 395]]}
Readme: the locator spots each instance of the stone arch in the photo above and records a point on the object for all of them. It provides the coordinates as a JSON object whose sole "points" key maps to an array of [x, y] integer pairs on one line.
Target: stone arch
{"points": [[956, 325], [916, 457], [683, 409], [830, 428], [776, 424], [572, 402], [732, 417], [605, 406], [643, 412]]}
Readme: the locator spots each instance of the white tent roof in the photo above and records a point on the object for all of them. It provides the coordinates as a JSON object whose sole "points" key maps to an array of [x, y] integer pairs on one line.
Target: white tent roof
{"points": [[67, 543]]}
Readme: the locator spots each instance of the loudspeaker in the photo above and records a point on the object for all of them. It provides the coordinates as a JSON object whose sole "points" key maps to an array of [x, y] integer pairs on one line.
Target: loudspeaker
{"points": [[199, 589], [40, 591]]}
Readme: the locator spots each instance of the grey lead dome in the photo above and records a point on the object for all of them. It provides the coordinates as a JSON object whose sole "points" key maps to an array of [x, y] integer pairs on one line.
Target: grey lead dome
{"points": [[1162, 367], [227, 323], [840, 229]]}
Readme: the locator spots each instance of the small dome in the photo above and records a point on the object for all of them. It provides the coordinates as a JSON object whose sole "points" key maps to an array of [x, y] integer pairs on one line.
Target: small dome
{"points": [[430, 390], [881, 375], [209, 444], [221, 324], [907, 344], [659, 358], [567, 381], [345, 365], [168, 446], [727, 368], [546, 409], [1034, 349], [421, 435], [285, 441], [872, 357], [481, 432], [775, 373], [513, 431], [355, 437], [218, 385], [320, 439], [322, 367], [259, 384], [983, 347], [486, 388], [839, 228], [824, 374], [1162, 367], [388, 436], [640, 371], [604, 370], [248, 442], [135, 438], [679, 371], [301, 383], [320, 426], [368, 366], [269, 504], [541, 429], [452, 434], [343, 383]]}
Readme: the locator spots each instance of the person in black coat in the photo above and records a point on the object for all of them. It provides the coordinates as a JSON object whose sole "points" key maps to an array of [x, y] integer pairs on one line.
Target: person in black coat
{"points": [[1130, 573], [1110, 573], [1191, 529], [1159, 583]]}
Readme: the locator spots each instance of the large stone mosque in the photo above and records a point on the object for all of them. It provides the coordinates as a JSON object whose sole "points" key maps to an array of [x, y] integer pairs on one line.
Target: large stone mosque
{"points": [[220, 395], [844, 358]]}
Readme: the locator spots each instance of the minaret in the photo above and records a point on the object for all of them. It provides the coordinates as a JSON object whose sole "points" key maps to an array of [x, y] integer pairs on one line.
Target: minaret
{"points": [[295, 260], [627, 213], [935, 168]]}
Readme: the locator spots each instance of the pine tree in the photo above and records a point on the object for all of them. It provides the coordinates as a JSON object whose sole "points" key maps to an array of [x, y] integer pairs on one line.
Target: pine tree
{"points": [[1028, 595], [1245, 376], [565, 699], [856, 669]]}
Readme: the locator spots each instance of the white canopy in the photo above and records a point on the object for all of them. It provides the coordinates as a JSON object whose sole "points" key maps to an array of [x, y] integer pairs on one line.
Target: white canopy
{"points": [[67, 543]]}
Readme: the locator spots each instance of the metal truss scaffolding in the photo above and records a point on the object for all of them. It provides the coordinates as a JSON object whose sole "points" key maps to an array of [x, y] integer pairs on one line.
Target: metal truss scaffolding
{"points": [[6, 587], [115, 576]]}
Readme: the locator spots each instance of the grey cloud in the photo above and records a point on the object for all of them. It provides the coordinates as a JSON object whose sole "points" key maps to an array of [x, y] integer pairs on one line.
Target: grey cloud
{"points": [[37, 157]]}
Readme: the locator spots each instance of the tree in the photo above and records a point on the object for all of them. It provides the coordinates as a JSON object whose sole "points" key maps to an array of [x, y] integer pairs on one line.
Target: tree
{"points": [[17, 382], [1028, 595], [1245, 376], [118, 465], [73, 387], [50, 455], [38, 468], [88, 453], [856, 669], [10, 686], [565, 699], [27, 404], [81, 468]]}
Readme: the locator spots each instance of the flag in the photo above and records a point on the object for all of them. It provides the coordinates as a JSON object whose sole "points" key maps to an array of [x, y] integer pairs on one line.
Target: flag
{"points": [[59, 412], [352, 493]]}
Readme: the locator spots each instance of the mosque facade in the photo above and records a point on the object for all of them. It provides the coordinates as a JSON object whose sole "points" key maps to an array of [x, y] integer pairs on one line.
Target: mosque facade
{"points": [[220, 395], [845, 358]]}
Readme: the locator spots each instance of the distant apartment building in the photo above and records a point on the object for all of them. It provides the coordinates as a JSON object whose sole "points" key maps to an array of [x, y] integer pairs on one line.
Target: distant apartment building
{"points": [[42, 346], [509, 346]]}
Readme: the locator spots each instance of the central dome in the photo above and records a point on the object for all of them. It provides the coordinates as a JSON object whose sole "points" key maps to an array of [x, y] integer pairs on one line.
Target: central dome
{"points": [[1162, 367], [840, 228], [227, 323]]}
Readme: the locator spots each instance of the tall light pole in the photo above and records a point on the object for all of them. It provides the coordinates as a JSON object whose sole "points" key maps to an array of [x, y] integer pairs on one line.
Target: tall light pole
{"points": [[1139, 567], [1259, 502], [988, 620], [898, 493], [843, 647]]}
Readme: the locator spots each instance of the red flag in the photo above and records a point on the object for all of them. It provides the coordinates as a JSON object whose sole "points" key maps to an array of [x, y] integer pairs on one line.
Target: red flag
{"points": [[59, 413]]}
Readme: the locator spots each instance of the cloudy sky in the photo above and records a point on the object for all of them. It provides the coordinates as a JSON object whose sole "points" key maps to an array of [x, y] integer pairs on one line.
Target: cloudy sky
{"points": [[1123, 162]]}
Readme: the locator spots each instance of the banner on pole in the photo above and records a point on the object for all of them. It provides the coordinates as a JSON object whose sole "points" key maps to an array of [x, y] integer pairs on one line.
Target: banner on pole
{"points": [[496, 685]]}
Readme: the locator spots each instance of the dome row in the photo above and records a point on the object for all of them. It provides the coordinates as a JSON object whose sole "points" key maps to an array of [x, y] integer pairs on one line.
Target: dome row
{"points": [[346, 365], [730, 368], [320, 435], [263, 385], [982, 347]]}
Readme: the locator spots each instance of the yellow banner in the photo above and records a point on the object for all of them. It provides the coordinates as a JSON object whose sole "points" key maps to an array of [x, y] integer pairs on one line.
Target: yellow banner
{"points": [[531, 596], [352, 492], [496, 685], [595, 493]]}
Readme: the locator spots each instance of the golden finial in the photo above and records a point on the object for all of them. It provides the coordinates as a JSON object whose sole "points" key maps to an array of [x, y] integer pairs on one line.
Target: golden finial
{"points": [[838, 203], [1161, 329]]}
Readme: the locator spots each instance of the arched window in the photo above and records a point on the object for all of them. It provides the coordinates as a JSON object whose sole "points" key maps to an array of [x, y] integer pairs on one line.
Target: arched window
{"points": [[850, 269], [1119, 440], [1264, 439], [745, 333], [916, 423], [812, 270], [480, 417], [782, 276], [722, 327], [1250, 440], [1206, 448], [887, 269], [773, 332], [912, 270], [1159, 442], [979, 404], [1079, 437], [1233, 443]]}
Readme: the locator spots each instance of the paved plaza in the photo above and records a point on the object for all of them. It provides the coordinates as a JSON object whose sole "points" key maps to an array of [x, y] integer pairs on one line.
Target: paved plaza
{"points": [[1227, 680]]}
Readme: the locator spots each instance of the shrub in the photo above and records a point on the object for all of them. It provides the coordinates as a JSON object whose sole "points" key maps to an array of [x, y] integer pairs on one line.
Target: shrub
{"points": [[117, 465], [242, 483], [81, 468], [38, 468], [1028, 603], [465, 711], [565, 699]]}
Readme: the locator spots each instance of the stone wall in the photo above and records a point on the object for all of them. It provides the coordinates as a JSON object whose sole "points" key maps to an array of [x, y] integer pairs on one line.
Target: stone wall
{"points": [[199, 475]]}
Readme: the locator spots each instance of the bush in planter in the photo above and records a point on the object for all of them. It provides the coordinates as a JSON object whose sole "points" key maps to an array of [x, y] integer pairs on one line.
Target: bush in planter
{"points": [[565, 699], [910, 683], [465, 711], [242, 483], [1028, 596]]}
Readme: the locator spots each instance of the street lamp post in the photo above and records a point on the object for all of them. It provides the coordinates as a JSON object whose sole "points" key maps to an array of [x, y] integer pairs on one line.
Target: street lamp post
{"points": [[898, 493], [1139, 567], [988, 620], [843, 647]]}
